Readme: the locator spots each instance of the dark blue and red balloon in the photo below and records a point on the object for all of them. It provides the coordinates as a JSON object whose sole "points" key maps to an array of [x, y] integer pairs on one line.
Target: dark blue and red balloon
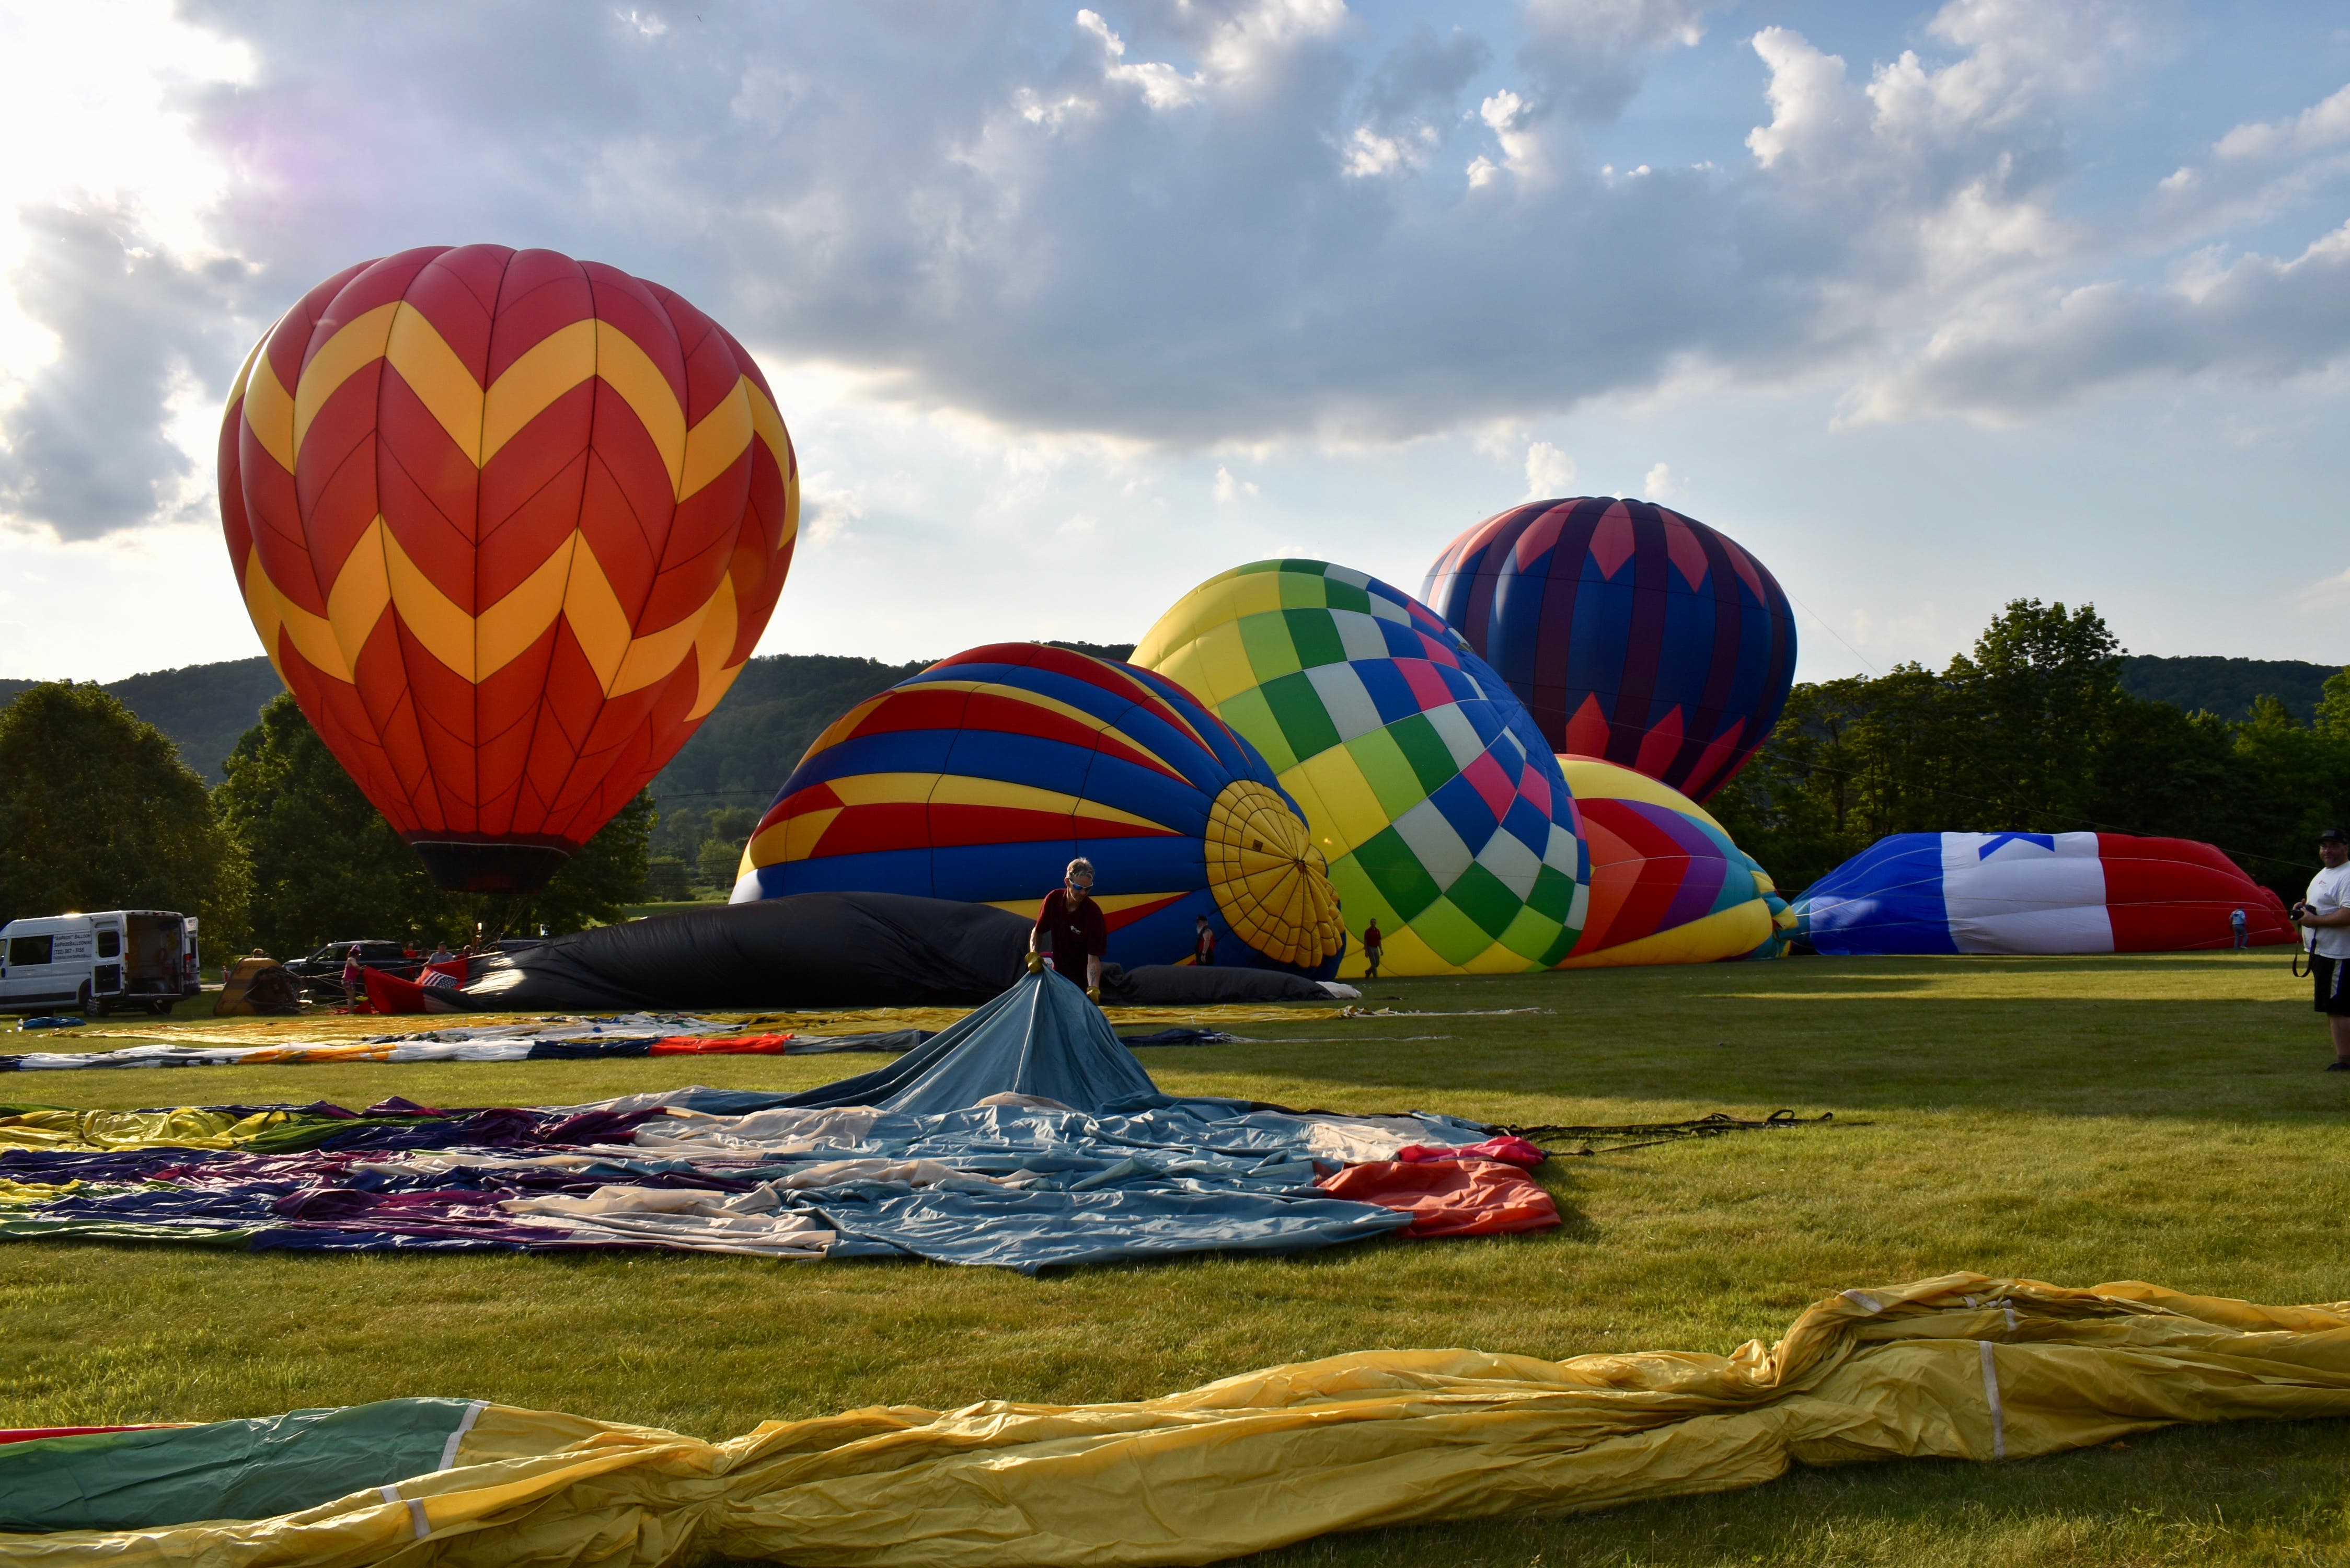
{"points": [[1633, 633]]}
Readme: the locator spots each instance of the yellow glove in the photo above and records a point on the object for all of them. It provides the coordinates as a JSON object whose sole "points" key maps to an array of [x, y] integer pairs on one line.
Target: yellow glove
{"points": [[1093, 994], [1035, 964]]}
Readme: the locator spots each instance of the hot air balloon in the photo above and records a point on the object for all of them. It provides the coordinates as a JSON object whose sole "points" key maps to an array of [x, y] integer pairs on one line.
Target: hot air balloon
{"points": [[508, 524], [982, 777], [1668, 885], [1635, 634], [1440, 810], [2035, 893]]}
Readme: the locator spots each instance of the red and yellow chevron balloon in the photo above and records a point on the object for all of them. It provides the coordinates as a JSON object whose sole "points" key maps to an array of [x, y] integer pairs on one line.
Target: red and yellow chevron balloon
{"points": [[508, 525]]}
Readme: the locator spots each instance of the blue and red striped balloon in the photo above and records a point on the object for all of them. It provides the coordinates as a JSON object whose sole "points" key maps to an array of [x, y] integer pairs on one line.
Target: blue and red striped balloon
{"points": [[1632, 633], [979, 778]]}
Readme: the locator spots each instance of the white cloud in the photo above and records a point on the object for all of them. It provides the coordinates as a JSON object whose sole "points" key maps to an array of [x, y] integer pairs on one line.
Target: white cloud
{"points": [[2321, 126], [1226, 487], [1660, 485], [2252, 317], [1550, 473]]}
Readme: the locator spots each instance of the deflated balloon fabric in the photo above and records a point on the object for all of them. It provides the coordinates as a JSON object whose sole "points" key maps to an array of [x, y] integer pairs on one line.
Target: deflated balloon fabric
{"points": [[1040, 1038], [1024, 1136], [1450, 1198], [1961, 1368]]}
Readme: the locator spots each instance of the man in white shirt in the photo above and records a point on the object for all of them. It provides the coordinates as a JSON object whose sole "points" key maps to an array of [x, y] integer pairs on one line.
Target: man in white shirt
{"points": [[2324, 919]]}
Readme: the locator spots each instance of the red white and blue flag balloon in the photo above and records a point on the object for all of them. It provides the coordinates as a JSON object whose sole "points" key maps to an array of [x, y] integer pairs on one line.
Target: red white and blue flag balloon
{"points": [[2035, 893]]}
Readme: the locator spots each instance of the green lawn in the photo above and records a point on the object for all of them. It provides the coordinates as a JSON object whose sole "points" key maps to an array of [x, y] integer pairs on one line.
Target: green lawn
{"points": [[2073, 1120]]}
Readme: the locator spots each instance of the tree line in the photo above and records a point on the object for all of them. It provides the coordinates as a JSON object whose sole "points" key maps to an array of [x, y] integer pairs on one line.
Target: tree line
{"points": [[2032, 730], [99, 812]]}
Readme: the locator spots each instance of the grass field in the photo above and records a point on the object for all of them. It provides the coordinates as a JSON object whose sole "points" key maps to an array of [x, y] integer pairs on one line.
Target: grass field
{"points": [[2073, 1120]]}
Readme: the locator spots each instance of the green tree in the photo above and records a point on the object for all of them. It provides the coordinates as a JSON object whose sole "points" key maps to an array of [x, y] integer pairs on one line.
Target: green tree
{"points": [[98, 812], [2043, 684], [2334, 708], [326, 866], [2031, 729], [718, 861]]}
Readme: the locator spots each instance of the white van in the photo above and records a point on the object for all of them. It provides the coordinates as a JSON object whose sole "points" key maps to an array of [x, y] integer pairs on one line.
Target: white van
{"points": [[119, 957]]}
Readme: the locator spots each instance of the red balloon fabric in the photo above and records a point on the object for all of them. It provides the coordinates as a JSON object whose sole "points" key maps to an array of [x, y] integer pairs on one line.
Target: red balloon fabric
{"points": [[508, 525], [1449, 1197]]}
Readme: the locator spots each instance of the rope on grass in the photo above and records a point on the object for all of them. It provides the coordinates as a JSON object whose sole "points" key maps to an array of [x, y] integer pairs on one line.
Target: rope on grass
{"points": [[1720, 1124]]}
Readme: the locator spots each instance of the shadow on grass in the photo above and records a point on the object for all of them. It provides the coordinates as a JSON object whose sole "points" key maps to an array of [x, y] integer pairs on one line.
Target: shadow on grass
{"points": [[2237, 1059]]}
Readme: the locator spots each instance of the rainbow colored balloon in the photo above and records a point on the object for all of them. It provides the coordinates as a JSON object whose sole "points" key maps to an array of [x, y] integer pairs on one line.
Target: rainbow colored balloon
{"points": [[1668, 885], [980, 778], [1634, 634], [1440, 809], [508, 525]]}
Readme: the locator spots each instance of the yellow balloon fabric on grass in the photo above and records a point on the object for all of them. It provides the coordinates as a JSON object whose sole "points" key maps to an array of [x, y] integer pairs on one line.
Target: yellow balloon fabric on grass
{"points": [[1437, 804], [1961, 1368]]}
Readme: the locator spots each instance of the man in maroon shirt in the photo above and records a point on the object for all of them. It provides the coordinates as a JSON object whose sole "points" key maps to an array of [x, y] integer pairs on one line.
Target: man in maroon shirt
{"points": [[1073, 922]]}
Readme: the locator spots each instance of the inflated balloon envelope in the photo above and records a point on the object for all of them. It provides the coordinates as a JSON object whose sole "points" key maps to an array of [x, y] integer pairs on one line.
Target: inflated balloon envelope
{"points": [[1961, 1367], [1667, 884], [1634, 633], [982, 777], [1441, 811], [508, 525]]}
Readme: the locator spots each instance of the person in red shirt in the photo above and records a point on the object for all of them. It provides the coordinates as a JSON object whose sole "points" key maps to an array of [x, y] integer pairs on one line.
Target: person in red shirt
{"points": [[1371, 944], [1072, 923], [1203, 941]]}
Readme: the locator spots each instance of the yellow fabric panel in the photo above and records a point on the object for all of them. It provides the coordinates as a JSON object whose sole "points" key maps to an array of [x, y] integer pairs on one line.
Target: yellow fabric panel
{"points": [[1339, 803], [313, 635], [20, 1192], [182, 1127], [430, 616], [507, 629], [712, 446], [1724, 934], [721, 620], [1402, 951], [769, 425], [547, 370], [1961, 1367], [1213, 665], [1591, 779], [378, 574], [655, 656], [794, 838], [361, 588], [964, 789], [629, 371], [269, 409], [438, 378], [1111, 903], [356, 345], [598, 618]]}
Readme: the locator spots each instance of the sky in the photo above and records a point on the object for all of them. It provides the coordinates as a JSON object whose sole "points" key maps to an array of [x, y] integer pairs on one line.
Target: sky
{"points": [[1071, 308]]}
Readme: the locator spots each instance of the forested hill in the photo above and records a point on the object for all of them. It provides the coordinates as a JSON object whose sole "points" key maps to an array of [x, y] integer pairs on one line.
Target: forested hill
{"points": [[2227, 686], [739, 756], [203, 707]]}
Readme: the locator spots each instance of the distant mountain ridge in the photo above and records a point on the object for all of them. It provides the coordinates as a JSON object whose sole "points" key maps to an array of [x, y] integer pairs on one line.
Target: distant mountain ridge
{"points": [[202, 706], [2228, 686], [782, 702]]}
